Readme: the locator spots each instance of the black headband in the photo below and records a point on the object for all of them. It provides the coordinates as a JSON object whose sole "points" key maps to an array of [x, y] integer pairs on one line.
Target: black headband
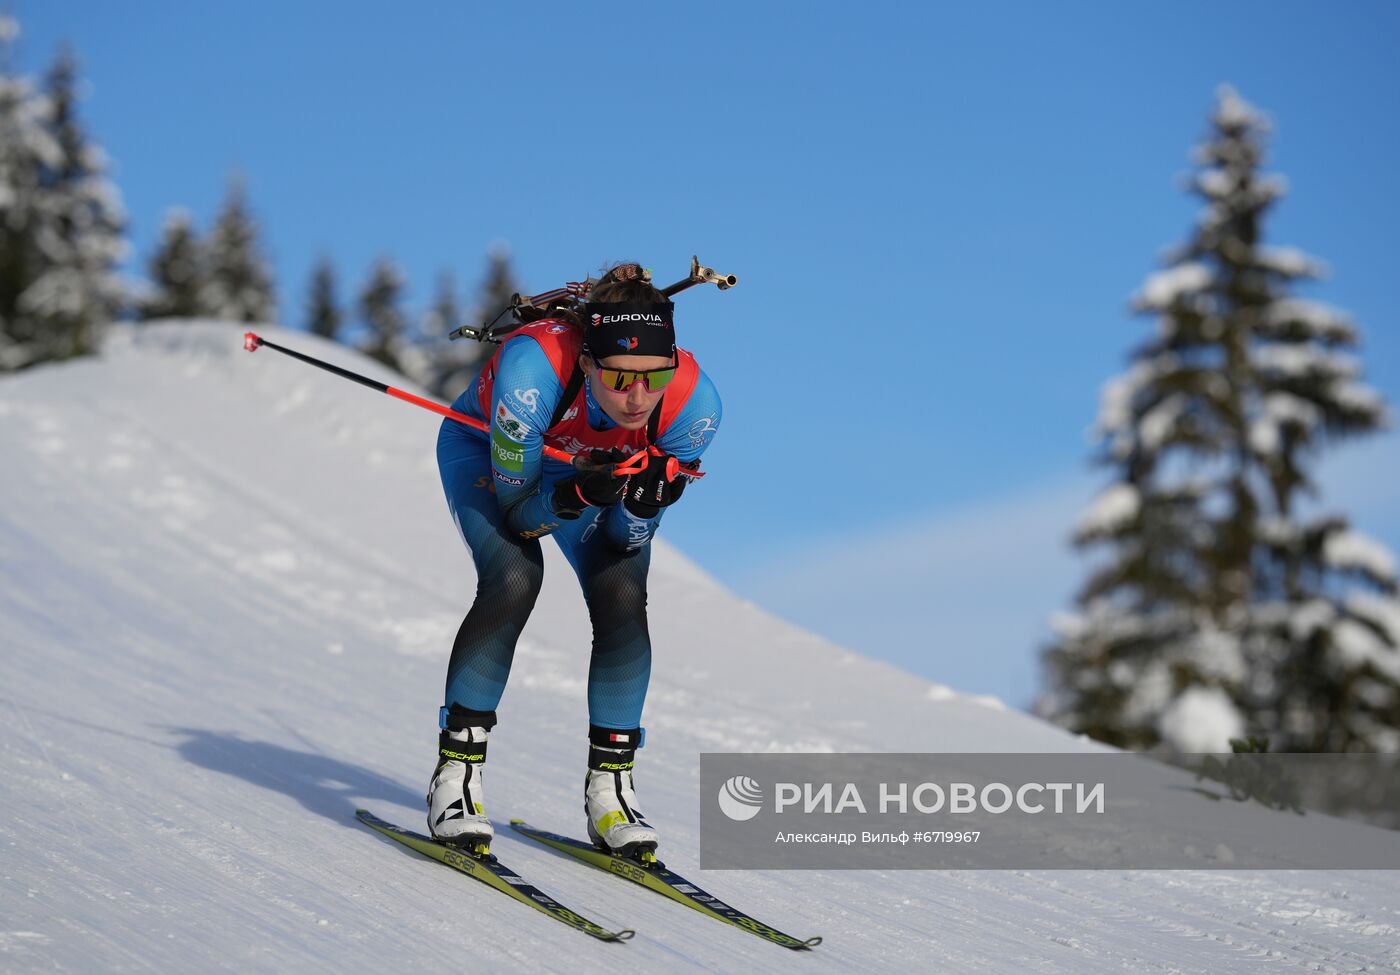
{"points": [[629, 328]]}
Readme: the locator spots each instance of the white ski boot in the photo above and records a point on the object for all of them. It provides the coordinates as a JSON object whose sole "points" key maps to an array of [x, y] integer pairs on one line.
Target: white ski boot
{"points": [[615, 823], [456, 802]]}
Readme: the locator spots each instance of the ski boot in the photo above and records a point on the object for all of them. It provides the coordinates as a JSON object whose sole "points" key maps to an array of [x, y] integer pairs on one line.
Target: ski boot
{"points": [[615, 824], [456, 803]]}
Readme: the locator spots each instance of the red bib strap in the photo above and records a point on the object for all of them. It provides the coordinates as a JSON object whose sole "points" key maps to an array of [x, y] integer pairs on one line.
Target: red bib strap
{"points": [[562, 342], [678, 390]]}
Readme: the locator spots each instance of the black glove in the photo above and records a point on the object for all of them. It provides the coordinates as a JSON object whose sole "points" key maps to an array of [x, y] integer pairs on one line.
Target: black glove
{"points": [[595, 483], [650, 491]]}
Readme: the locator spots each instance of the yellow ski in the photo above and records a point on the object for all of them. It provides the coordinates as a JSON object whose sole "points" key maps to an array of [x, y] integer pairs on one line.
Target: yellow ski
{"points": [[485, 867], [652, 874]]}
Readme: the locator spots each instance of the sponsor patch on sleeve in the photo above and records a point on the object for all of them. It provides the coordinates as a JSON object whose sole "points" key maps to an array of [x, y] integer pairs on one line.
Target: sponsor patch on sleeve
{"points": [[511, 425], [507, 454]]}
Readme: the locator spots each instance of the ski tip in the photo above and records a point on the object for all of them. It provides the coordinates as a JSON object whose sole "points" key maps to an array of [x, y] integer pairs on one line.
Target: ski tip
{"points": [[517, 822], [625, 934], [812, 942]]}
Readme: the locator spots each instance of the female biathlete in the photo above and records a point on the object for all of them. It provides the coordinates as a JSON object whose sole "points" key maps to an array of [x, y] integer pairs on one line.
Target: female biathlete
{"points": [[604, 385]]}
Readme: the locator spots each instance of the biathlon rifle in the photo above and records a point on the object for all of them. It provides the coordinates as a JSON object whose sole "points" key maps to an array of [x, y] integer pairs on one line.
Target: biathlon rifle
{"points": [[524, 309]]}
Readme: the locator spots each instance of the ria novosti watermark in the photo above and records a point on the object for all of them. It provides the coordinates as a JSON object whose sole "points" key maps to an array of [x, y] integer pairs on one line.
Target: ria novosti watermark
{"points": [[1045, 811], [741, 798]]}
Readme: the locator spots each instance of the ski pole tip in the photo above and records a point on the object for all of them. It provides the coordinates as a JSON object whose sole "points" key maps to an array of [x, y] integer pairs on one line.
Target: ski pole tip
{"points": [[251, 341]]}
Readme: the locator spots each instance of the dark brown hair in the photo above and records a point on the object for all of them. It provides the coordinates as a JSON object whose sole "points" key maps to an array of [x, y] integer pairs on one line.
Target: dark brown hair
{"points": [[626, 281]]}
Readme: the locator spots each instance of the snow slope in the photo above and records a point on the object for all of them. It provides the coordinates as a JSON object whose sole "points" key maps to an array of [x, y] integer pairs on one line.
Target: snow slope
{"points": [[229, 585]]}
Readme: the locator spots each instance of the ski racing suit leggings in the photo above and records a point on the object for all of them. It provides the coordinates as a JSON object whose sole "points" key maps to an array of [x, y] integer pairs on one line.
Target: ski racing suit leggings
{"points": [[509, 572]]}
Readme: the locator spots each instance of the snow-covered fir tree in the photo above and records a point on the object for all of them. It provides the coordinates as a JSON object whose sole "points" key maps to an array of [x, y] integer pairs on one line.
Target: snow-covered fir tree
{"points": [[78, 289], [441, 366], [176, 271], [238, 282], [61, 222], [453, 365], [498, 285], [445, 314], [323, 311], [465, 358], [1222, 608], [379, 309], [25, 146]]}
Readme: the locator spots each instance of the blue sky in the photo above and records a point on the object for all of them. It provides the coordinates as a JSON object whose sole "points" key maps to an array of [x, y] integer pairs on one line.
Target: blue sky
{"points": [[937, 213]]}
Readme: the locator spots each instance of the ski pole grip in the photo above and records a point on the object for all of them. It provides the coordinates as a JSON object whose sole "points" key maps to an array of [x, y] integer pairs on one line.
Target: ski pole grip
{"points": [[251, 342]]}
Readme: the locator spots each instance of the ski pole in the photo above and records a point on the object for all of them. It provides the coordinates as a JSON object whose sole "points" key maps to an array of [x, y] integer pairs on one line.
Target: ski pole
{"points": [[632, 465], [253, 342]]}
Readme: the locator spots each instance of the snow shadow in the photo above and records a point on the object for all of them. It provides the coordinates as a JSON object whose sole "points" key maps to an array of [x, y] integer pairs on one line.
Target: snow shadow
{"points": [[323, 785]]}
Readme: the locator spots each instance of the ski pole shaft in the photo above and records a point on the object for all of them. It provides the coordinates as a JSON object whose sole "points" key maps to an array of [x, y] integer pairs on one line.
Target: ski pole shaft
{"points": [[253, 342]]}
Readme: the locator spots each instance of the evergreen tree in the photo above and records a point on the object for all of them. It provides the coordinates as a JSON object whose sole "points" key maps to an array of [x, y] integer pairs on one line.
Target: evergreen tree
{"points": [[379, 308], [455, 365], [78, 290], [60, 221], [238, 284], [25, 147], [447, 367], [177, 271], [444, 316], [498, 286], [322, 310], [1220, 608]]}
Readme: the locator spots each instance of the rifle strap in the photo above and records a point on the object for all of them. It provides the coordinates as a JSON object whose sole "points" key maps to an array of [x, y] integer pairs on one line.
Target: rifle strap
{"points": [[571, 390]]}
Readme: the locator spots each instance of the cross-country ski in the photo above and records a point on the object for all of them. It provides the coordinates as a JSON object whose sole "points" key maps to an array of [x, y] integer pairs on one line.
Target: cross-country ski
{"points": [[653, 875], [491, 872]]}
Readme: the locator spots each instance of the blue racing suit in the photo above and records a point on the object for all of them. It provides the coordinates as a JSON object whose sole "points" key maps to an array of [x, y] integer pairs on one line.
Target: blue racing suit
{"points": [[499, 490]]}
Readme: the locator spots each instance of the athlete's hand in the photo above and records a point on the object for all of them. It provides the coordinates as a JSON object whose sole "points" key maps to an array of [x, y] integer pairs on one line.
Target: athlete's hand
{"points": [[650, 491], [596, 482]]}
